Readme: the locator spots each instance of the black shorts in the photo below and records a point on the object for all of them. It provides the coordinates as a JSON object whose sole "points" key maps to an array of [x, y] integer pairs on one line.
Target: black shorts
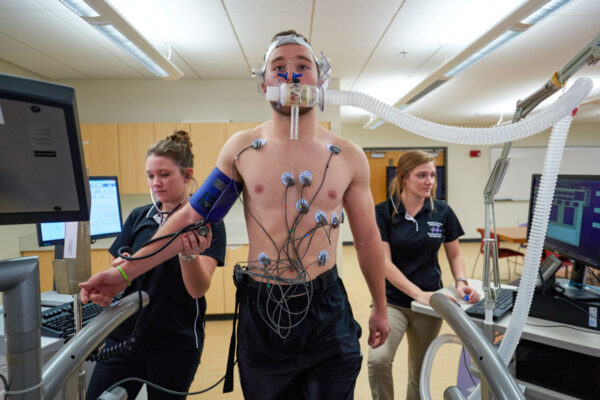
{"points": [[318, 358]]}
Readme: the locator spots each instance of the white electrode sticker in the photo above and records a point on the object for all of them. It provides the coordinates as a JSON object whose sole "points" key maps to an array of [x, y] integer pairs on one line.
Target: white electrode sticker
{"points": [[593, 321]]}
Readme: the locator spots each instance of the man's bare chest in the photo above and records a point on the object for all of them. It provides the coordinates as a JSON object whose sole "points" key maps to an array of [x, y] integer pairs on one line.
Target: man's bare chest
{"points": [[272, 179]]}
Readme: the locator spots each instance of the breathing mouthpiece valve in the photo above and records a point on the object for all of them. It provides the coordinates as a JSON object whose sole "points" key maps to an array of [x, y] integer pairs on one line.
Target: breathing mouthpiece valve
{"points": [[216, 196], [296, 94]]}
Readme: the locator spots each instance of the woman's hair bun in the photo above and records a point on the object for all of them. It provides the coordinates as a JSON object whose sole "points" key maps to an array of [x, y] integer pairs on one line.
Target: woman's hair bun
{"points": [[181, 136]]}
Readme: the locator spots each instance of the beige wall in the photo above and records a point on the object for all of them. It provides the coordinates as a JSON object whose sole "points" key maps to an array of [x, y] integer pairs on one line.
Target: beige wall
{"points": [[12, 69], [467, 176]]}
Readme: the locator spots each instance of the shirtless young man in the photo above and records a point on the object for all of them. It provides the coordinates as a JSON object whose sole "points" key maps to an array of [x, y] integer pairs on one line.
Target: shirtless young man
{"points": [[297, 337]]}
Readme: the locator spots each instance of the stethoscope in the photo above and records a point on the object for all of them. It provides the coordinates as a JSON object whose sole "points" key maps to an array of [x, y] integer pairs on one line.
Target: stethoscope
{"points": [[161, 216]]}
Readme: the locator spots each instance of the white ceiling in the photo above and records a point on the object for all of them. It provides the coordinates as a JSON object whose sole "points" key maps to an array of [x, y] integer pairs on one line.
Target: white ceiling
{"points": [[384, 48]]}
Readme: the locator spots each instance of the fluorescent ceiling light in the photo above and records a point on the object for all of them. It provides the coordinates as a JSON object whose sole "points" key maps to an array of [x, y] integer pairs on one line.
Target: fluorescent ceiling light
{"points": [[376, 124], [544, 11], [499, 41], [116, 36], [508, 28], [81, 8], [109, 22]]}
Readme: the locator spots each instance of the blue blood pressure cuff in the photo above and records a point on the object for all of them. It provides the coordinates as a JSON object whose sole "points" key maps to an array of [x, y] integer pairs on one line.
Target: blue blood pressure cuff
{"points": [[216, 196]]}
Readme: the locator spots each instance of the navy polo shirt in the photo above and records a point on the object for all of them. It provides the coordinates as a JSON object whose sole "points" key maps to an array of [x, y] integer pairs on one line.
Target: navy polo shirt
{"points": [[172, 319], [415, 243]]}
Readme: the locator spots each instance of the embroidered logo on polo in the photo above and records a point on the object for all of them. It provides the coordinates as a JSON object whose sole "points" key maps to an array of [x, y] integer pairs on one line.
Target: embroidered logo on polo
{"points": [[436, 229]]}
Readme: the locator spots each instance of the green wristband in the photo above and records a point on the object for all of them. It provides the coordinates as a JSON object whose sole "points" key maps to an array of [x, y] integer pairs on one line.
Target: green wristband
{"points": [[123, 275]]}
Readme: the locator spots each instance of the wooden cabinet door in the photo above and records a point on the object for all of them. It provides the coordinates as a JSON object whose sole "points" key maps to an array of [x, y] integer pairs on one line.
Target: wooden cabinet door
{"points": [[234, 254], [101, 260], [220, 298], [134, 140], [234, 127], [101, 149], [45, 267], [162, 131], [215, 303], [208, 140]]}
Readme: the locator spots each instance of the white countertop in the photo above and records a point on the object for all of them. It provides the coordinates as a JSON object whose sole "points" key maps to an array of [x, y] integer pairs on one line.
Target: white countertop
{"points": [[560, 335]]}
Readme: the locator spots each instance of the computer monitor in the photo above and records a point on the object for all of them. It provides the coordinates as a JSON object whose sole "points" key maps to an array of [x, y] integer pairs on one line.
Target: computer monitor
{"points": [[105, 215], [42, 168], [574, 225]]}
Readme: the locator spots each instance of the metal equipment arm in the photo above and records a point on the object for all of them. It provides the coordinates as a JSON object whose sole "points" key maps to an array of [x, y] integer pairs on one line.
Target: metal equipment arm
{"points": [[64, 363], [590, 55], [501, 382]]}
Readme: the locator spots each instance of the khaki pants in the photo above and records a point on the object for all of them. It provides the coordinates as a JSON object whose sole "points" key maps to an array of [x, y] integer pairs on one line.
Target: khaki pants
{"points": [[421, 329]]}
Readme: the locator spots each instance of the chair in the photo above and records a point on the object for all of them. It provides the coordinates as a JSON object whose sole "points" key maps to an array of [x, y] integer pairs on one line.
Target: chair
{"points": [[503, 252]]}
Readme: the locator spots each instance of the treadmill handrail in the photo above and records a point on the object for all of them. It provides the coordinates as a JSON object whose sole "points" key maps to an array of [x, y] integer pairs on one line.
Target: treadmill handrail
{"points": [[501, 382], [65, 361]]}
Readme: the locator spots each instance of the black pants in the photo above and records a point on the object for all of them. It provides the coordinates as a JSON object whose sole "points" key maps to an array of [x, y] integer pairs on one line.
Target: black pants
{"points": [[172, 369], [319, 359]]}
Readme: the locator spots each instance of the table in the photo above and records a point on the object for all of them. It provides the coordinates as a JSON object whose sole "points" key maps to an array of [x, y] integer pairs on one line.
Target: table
{"points": [[513, 234], [581, 340], [562, 336]]}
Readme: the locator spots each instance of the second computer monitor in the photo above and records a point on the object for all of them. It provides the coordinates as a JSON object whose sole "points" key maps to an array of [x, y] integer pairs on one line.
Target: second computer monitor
{"points": [[105, 215], [574, 224]]}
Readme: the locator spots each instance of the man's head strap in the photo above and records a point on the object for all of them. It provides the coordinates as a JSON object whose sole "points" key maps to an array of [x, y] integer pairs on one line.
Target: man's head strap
{"points": [[287, 39]]}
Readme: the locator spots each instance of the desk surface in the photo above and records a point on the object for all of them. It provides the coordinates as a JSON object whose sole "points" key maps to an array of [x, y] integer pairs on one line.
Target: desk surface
{"points": [[556, 334], [514, 234]]}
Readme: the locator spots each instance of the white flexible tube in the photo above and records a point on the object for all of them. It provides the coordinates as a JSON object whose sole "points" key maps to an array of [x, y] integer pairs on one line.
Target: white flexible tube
{"points": [[428, 361], [471, 136], [535, 243], [537, 235], [561, 111]]}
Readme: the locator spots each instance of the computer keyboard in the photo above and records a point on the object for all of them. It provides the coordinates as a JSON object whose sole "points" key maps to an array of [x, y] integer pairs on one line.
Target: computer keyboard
{"points": [[58, 321], [504, 304]]}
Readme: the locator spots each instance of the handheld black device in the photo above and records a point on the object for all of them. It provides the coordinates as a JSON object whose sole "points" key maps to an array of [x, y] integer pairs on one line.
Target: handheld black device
{"points": [[547, 270]]}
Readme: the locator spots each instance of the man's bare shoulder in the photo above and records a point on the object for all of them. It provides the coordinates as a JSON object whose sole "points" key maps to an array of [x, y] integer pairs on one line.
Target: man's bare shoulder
{"points": [[239, 141], [246, 136]]}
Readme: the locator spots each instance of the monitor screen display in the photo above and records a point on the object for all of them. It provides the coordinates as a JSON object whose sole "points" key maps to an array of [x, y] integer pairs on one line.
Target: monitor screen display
{"points": [[42, 174], [105, 215], [574, 224]]}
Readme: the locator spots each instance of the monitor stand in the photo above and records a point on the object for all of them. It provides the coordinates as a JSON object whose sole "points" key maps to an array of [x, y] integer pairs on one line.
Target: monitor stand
{"points": [[59, 251], [575, 288]]}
